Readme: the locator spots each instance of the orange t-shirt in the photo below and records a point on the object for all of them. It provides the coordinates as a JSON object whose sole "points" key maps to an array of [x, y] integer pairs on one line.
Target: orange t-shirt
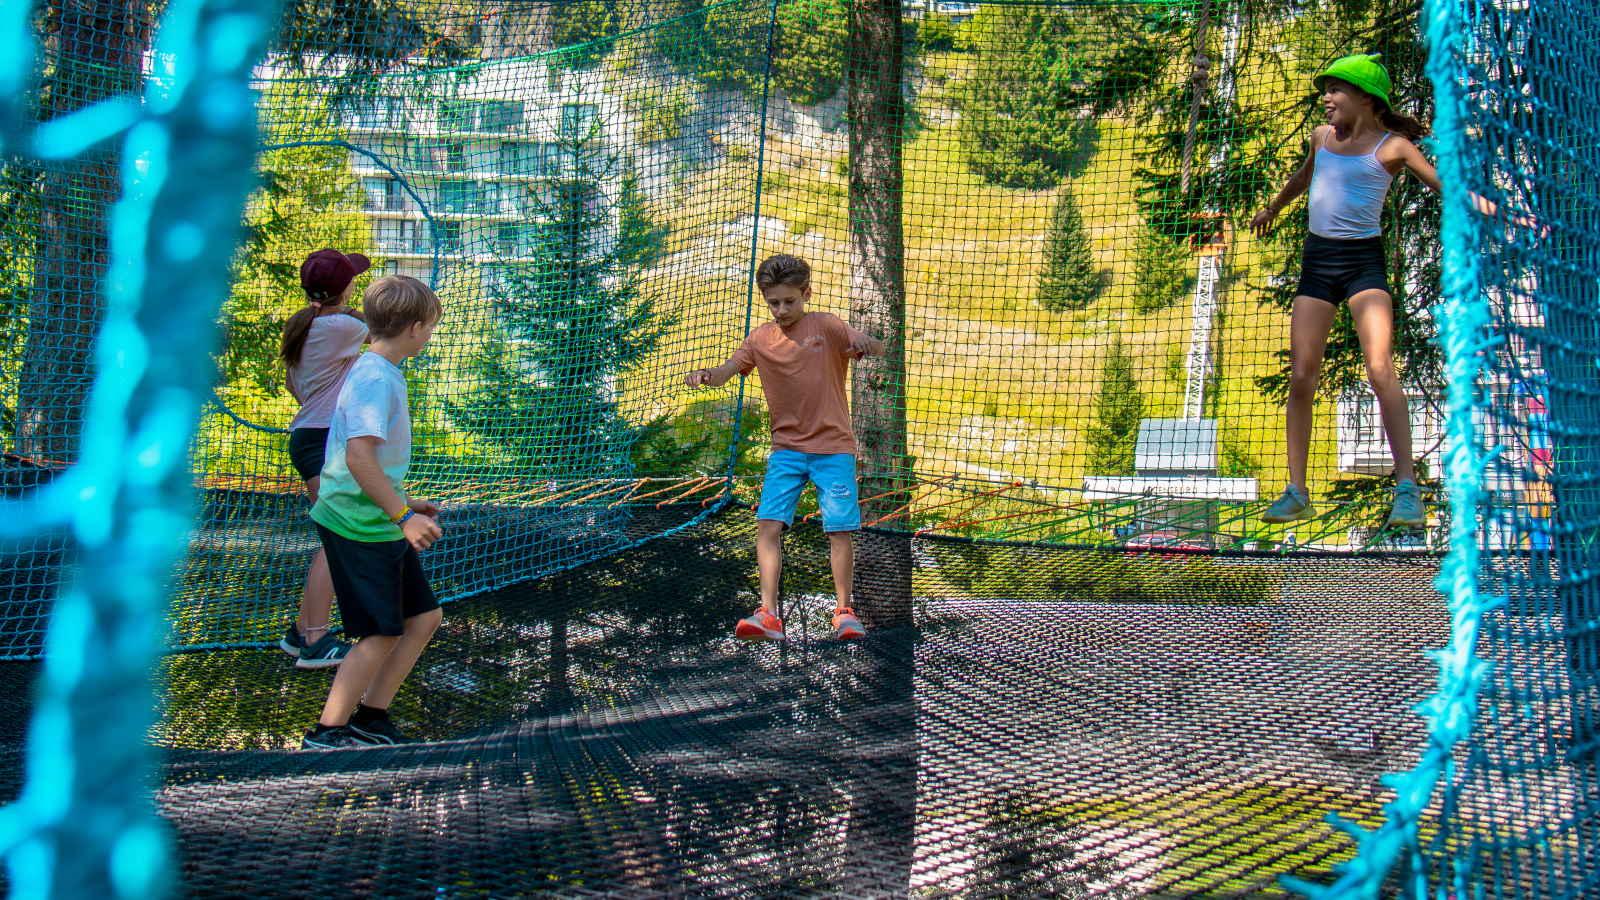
{"points": [[803, 368]]}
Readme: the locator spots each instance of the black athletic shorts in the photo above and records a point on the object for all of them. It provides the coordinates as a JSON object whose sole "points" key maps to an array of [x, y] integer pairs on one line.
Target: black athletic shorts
{"points": [[379, 584], [306, 449], [1335, 270]]}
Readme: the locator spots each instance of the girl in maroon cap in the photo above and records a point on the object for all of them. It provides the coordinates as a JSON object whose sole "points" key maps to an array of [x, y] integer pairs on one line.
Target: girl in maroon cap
{"points": [[320, 344]]}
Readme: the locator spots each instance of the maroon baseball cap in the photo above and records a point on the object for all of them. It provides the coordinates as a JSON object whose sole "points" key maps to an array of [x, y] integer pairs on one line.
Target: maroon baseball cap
{"points": [[326, 273]]}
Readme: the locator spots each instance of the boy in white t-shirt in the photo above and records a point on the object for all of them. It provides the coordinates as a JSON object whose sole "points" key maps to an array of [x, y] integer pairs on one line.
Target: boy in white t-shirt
{"points": [[370, 530]]}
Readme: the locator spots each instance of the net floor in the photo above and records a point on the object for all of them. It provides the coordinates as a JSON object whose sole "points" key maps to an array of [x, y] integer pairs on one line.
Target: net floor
{"points": [[599, 734]]}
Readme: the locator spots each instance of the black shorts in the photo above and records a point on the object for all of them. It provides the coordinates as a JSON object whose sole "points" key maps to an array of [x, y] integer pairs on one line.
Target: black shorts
{"points": [[379, 584], [306, 449], [1335, 270]]}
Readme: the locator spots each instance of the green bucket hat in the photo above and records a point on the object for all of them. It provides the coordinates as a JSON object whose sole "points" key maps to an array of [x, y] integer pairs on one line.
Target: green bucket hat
{"points": [[1361, 70]]}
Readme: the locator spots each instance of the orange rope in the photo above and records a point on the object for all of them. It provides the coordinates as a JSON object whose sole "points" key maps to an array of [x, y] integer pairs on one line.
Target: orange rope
{"points": [[700, 485], [671, 487], [980, 498], [602, 492], [933, 488], [934, 484], [1026, 512]]}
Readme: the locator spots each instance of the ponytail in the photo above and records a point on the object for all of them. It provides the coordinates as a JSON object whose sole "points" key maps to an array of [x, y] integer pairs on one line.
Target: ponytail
{"points": [[1398, 123], [295, 332]]}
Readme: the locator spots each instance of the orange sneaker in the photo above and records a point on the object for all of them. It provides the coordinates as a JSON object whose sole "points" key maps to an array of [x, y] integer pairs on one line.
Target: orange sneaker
{"points": [[849, 627], [760, 626]]}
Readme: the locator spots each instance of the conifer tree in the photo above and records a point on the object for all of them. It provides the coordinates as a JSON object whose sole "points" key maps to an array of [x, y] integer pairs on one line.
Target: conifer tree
{"points": [[1163, 271], [1118, 408], [1020, 125], [1070, 279], [571, 324]]}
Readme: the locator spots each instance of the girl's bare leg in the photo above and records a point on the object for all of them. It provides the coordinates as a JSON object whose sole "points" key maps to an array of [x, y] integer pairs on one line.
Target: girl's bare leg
{"points": [[316, 604], [1373, 313], [1309, 325]]}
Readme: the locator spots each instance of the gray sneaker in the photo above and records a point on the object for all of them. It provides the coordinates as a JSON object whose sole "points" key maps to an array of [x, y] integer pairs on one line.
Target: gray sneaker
{"points": [[1407, 510], [1291, 507], [327, 652]]}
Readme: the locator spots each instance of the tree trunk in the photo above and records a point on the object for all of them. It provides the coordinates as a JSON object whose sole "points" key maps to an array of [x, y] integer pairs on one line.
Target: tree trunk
{"points": [[874, 63], [96, 49]]}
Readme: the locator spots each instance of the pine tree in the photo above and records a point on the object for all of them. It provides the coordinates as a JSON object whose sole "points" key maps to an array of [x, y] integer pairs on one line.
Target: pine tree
{"points": [[571, 324], [1020, 125], [1118, 409], [1163, 271], [1070, 279]]}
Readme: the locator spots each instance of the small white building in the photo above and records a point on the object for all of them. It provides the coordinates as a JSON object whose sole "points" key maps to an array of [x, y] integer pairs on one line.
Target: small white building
{"points": [[1176, 489]]}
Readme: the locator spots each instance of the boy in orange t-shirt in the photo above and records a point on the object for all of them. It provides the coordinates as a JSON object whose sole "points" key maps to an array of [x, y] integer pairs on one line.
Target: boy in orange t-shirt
{"points": [[803, 359]]}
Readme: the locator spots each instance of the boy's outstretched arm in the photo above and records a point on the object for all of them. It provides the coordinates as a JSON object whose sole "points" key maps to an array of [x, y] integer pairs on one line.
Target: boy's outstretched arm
{"points": [[863, 347], [361, 455], [715, 377]]}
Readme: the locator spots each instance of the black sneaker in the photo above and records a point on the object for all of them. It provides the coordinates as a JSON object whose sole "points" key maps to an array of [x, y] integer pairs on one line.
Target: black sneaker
{"points": [[329, 651], [291, 642], [339, 738], [380, 733]]}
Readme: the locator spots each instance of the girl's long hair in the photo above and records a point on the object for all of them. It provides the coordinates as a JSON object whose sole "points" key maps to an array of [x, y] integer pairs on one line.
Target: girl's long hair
{"points": [[1397, 123], [295, 332]]}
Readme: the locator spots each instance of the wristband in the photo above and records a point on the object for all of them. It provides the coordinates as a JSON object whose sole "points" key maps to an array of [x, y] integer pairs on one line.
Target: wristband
{"points": [[402, 520], [400, 516]]}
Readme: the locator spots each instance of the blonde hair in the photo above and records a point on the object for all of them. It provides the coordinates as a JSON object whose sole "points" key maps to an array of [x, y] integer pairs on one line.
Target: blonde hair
{"points": [[394, 303]]}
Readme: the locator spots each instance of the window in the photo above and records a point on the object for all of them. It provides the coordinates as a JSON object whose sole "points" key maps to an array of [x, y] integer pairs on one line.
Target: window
{"points": [[455, 157], [519, 159], [460, 196], [402, 235], [499, 115], [578, 121], [450, 237], [382, 112]]}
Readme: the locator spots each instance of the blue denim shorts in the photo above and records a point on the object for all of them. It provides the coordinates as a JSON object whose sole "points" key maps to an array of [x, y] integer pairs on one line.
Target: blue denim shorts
{"points": [[834, 474]]}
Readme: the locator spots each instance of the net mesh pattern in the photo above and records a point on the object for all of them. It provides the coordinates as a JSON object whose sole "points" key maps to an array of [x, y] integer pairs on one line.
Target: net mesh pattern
{"points": [[1092, 670]]}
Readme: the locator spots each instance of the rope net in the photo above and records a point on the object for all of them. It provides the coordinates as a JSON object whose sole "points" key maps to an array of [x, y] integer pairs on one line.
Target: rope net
{"points": [[1093, 671]]}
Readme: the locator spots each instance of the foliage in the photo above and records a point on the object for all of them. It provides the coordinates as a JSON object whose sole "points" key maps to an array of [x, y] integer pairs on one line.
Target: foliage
{"points": [[1028, 851], [995, 572], [583, 27], [1163, 271], [1118, 409], [307, 199], [810, 48], [19, 213], [1236, 462], [699, 440], [935, 33], [1070, 279], [571, 324], [1020, 124]]}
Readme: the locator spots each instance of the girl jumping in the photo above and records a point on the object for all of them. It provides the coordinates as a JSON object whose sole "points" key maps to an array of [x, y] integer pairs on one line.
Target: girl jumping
{"points": [[320, 344], [1352, 162]]}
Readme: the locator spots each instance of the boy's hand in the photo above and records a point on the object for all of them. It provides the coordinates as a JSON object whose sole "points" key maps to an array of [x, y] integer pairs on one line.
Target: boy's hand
{"points": [[421, 530], [424, 508], [862, 347], [698, 378]]}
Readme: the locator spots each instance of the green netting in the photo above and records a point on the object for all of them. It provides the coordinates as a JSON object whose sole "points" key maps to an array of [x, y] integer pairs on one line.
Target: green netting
{"points": [[1041, 208]]}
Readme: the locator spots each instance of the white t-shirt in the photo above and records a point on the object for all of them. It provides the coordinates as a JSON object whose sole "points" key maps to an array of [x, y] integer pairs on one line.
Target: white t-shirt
{"points": [[372, 403], [331, 348]]}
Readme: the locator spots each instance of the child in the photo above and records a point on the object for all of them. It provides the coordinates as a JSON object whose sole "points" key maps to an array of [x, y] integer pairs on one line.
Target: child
{"points": [[370, 529], [320, 344], [803, 359], [1353, 160]]}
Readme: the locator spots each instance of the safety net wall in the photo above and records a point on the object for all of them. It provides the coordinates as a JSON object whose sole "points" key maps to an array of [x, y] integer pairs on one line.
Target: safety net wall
{"points": [[1093, 671], [1087, 346]]}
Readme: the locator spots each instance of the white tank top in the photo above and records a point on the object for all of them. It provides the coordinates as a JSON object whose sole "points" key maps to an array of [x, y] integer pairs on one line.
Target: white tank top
{"points": [[1347, 193]]}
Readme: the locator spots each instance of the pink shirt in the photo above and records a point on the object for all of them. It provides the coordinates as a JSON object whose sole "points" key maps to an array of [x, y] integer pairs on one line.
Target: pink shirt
{"points": [[331, 348], [803, 369]]}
